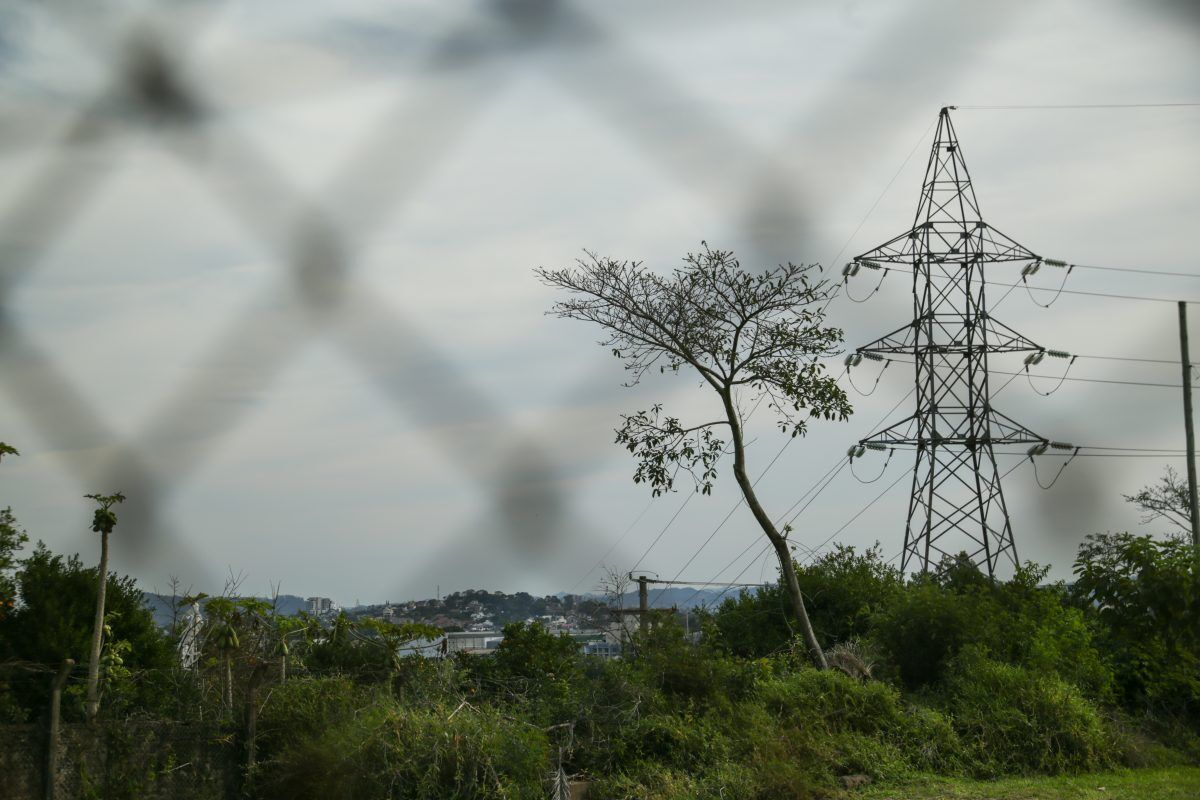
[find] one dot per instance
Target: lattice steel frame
(955, 487)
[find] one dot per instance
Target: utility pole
(643, 609)
(644, 603)
(1189, 430)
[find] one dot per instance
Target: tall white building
(191, 625)
(318, 606)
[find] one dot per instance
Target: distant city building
(190, 627)
(602, 649)
(318, 606)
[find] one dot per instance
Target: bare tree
(103, 522)
(750, 338)
(614, 584)
(1168, 499)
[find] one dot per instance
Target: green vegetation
(1179, 783)
(953, 676)
(1013, 689)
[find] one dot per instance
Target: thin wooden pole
(643, 604)
(55, 713)
(1189, 429)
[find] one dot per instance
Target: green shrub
(1018, 622)
(851, 727)
(387, 751)
(843, 591)
(667, 661)
(1145, 602)
(304, 708)
(683, 741)
(926, 626)
(1012, 720)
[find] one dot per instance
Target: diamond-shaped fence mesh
(204, 86)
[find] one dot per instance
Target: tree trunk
(93, 677)
(787, 570)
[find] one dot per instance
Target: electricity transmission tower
(957, 503)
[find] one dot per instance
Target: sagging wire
(1039, 449)
(851, 269)
(1031, 269)
(857, 451)
(855, 359)
(1036, 358)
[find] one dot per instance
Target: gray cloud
(391, 411)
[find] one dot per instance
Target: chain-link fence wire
(154, 93)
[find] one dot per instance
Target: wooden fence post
(55, 712)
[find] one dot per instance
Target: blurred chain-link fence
(324, 211)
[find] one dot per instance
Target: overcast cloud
(282, 295)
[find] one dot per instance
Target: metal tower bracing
(957, 503)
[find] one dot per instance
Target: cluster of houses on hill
(472, 622)
(480, 611)
(600, 643)
(476, 626)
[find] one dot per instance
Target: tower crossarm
(955, 242)
(956, 430)
(997, 338)
(1003, 339)
(901, 340)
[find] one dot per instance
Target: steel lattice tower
(957, 503)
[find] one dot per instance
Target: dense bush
(1012, 720)
(843, 589)
(53, 621)
(1144, 597)
(1018, 622)
(330, 739)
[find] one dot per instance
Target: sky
(268, 269)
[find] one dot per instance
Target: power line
(837, 471)
(766, 549)
(741, 500)
(721, 524)
(1071, 378)
(1076, 106)
(822, 482)
(1112, 455)
(1136, 449)
(874, 205)
(679, 510)
(1162, 272)
(688, 499)
(614, 546)
(811, 551)
(762, 551)
(1011, 286)
(709, 583)
(1091, 380)
(1172, 362)
(1092, 294)
(863, 510)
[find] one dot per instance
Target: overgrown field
(992, 687)
(1179, 783)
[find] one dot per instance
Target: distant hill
(503, 608)
(161, 606)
